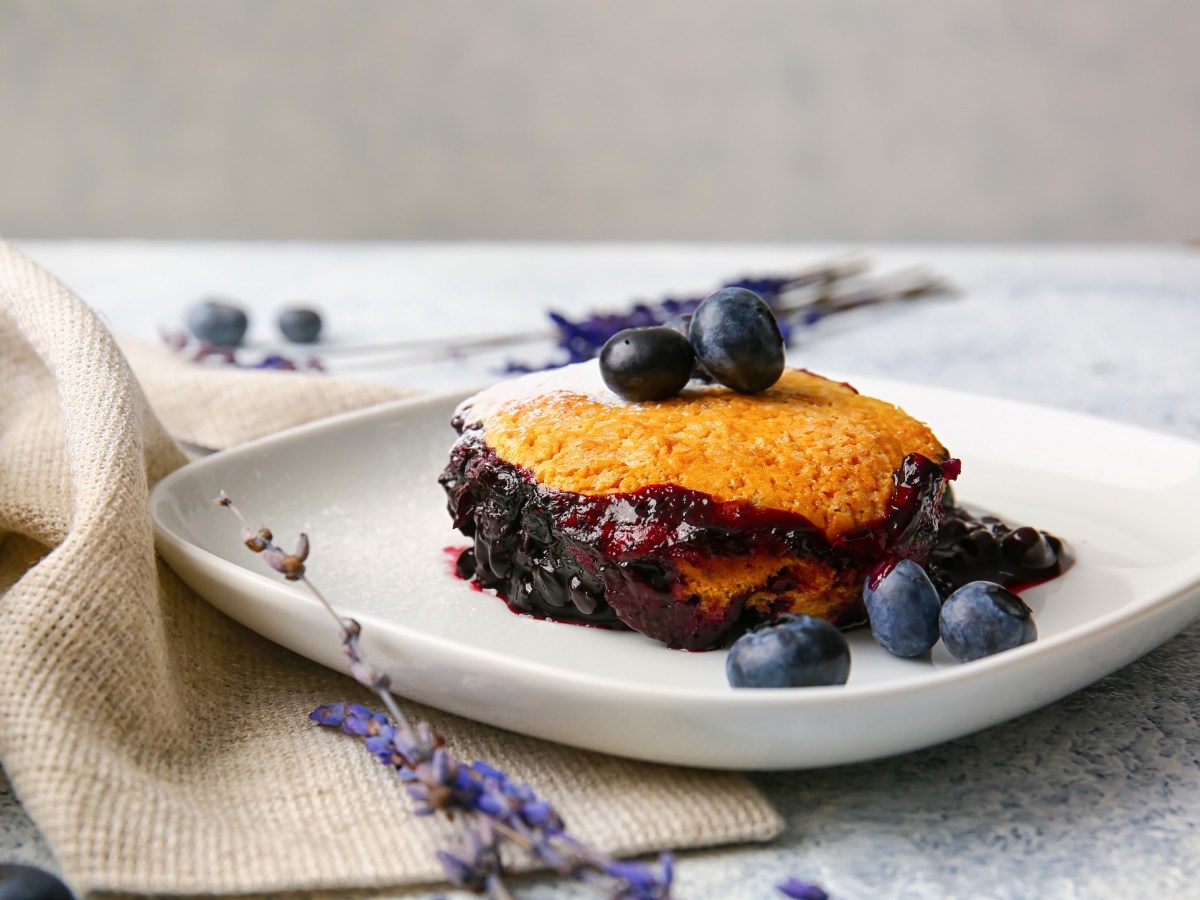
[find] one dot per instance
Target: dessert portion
(690, 518)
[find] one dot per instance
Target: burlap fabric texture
(163, 748)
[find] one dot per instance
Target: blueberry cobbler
(688, 517)
(692, 513)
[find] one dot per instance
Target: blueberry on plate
(792, 651)
(737, 340)
(18, 882)
(1029, 548)
(300, 325)
(903, 608)
(983, 618)
(646, 363)
(218, 323)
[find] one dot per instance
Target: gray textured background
(736, 119)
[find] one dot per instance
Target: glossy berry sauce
(612, 560)
(985, 548)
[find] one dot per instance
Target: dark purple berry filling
(985, 548)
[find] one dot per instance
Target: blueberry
(737, 340)
(217, 323)
(792, 651)
(646, 363)
(982, 618)
(1029, 547)
(903, 607)
(19, 882)
(300, 325)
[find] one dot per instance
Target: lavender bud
(540, 813)
(290, 567)
(801, 890)
(384, 749)
(275, 361)
(635, 874)
(331, 716)
(488, 771)
(489, 805)
(257, 541)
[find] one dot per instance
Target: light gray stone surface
(1097, 795)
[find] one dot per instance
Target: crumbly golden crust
(808, 446)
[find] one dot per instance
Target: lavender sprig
(494, 808)
(207, 352)
(798, 299)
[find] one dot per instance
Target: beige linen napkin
(161, 747)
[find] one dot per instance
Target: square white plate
(364, 487)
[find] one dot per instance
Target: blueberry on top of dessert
(693, 517)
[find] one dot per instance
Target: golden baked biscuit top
(808, 445)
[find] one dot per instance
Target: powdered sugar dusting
(581, 379)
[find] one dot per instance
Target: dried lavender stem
(582, 851)
(379, 683)
(444, 345)
(223, 500)
(826, 287)
(818, 274)
(347, 626)
(393, 709)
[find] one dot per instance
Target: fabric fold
(163, 748)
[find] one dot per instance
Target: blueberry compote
(613, 559)
(985, 548)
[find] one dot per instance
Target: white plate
(364, 487)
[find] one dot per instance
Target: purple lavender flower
(641, 882)
(583, 339)
(289, 565)
(180, 343)
(799, 299)
(258, 541)
(437, 781)
(802, 890)
(275, 361)
(331, 715)
(514, 804)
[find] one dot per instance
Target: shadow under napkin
(161, 747)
